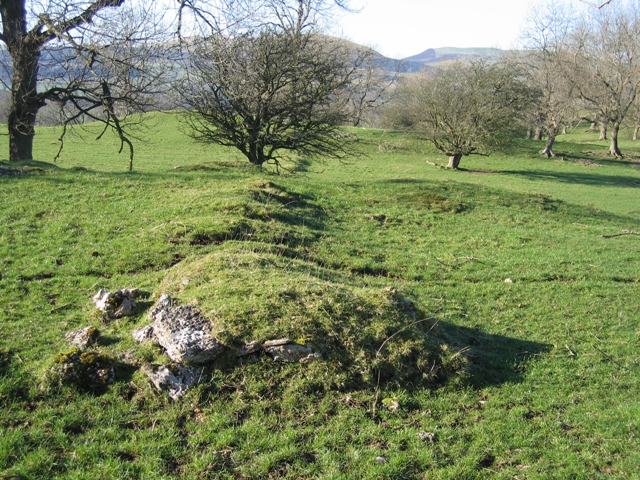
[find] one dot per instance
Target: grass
(548, 387)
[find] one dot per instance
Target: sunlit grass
(553, 358)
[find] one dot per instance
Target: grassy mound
(367, 336)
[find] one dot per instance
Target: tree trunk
(613, 149)
(24, 107)
(529, 133)
(538, 135)
(593, 127)
(547, 151)
(635, 132)
(256, 154)
(25, 103)
(603, 131)
(454, 160)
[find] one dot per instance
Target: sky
(401, 28)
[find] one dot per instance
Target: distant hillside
(435, 55)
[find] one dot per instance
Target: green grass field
(550, 387)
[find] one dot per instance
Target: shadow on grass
(215, 169)
(493, 359)
(592, 179)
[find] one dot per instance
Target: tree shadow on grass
(493, 359)
(592, 179)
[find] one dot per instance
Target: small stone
(426, 436)
(144, 334)
(391, 404)
(509, 280)
(128, 356)
(185, 281)
(380, 460)
(89, 371)
(275, 343)
(311, 358)
(287, 353)
(248, 349)
(84, 337)
(176, 380)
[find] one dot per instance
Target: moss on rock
(89, 371)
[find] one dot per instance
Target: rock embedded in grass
(144, 334)
(185, 333)
(176, 380)
(285, 351)
(248, 349)
(83, 337)
(91, 371)
(426, 436)
(118, 304)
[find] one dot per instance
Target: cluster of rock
(188, 340)
(185, 334)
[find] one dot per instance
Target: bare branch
(596, 5)
(58, 30)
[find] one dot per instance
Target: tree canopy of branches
(604, 65)
(102, 60)
(97, 60)
(465, 108)
(545, 41)
(269, 93)
(585, 66)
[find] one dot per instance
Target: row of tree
(585, 68)
(572, 68)
(259, 76)
(106, 60)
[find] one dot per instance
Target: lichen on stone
(89, 371)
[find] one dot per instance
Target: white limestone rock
(185, 333)
(176, 380)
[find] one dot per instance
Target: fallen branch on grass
(434, 164)
(623, 232)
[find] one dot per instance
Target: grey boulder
(185, 333)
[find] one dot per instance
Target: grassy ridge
(553, 359)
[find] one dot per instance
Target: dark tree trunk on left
(24, 46)
(25, 103)
(24, 106)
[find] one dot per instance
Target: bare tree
(466, 108)
(267, 83)
(96, 59)
(371, 86)
(268, 93)
(605, 66)
(545, 48)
